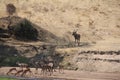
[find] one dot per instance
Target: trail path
(71, 75)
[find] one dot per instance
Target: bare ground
(70, 75)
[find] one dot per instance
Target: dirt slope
(95, 20)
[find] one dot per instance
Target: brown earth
(95, 20)
(72, 75)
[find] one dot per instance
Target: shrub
(10, 9)
(25, 31)
(11, 60)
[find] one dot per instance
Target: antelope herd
(24, 69)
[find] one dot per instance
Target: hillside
(98, 22)
(95, 20)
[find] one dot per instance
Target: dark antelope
(45, 67)
(27, 70)
(11, 70)
(76, 36)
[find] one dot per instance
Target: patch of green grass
(1, 78)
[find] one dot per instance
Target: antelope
(76, 36)
(19, 71)
(26, 71)
(45, 67)
(50, 66)
(11, 70)
(37, 65)
(60, 68)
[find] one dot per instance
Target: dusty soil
(71, 75)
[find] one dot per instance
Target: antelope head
(74, 32)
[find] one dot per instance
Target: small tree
(11, 9)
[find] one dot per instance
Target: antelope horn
(74, 30)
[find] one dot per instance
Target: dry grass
(95, 20)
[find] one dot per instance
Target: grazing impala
(19, 72)
(11, 70)
(27, 70)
